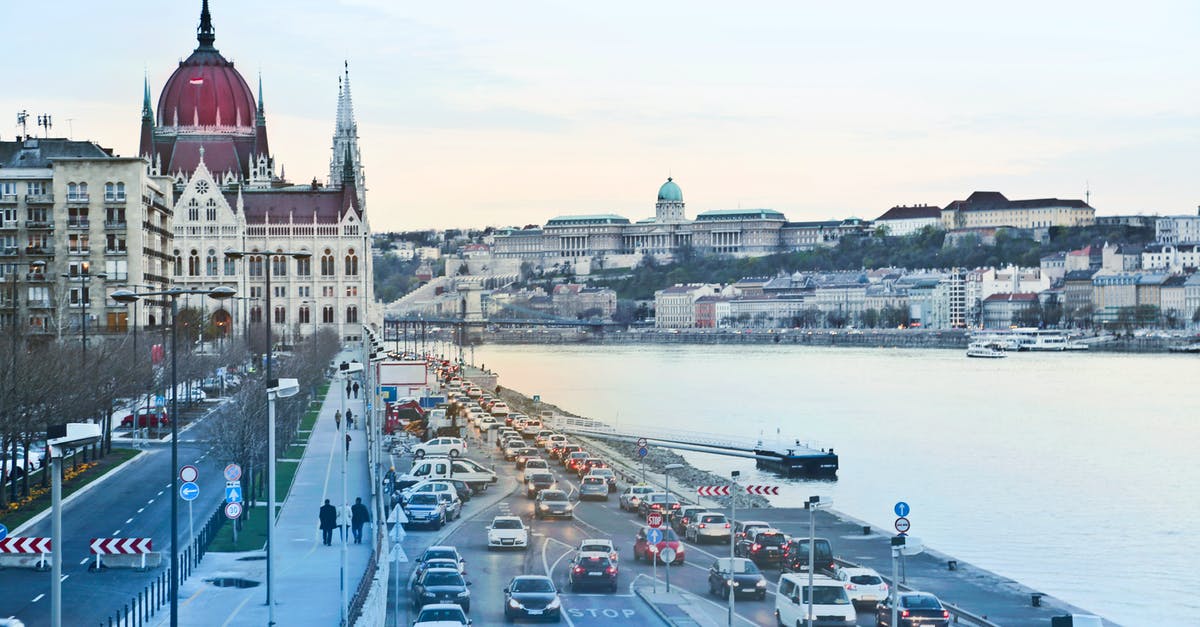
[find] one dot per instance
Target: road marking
(150, 501)
(64, 578)
(141, 509)
(128, 521)
(83, 561)
(159, 493)
(167, 486)
(38, 598)
(118, 531)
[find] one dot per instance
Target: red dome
(206, 90)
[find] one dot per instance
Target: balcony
(9, 225)
(114, 200)
(116, 251)
(11, 251)
(39, 199)
(8, 199)
(36, 277)
(79, 251)
(115, 225)
(39, 225)
(79, 223)
(39, 250)
(38, 304)
(78, 199)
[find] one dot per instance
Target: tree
(870, 318)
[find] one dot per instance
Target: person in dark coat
(328, 517)
(347, 389)
(359, 516)
(356, 389)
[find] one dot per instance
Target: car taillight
(851, 586)
(903, 613)
(726, 525)
(610, 570)
(683, 521)
(756, 547)
(945, 613)
(703, 526)
(579, 570)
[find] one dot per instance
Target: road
(133, 503)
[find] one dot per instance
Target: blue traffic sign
(642, 451)
(902, 509)
(233, 492)
(189, 491)
(654, 536)
(3, 532)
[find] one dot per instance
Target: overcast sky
(509, 113)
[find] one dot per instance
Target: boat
(1186, 348)
(982, 350)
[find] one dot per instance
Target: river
(1074, 474)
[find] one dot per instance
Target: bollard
(126, 615)
(952, 565)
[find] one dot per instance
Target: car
(562, 453)
(553, 503)
(531, 428)
(598, 545)
(831, 606)
(526, 454)
(427, 486)
(795, 556)
(574, 459)
(740, 573)
(593, 488)
(632, 497)
(657, 502)
(452, 503)
(542, 437)
(426, 509)
(507, 531)
(914, 608)
(554, 440)
(452, 447)
(512, 448)
(444, 551)
(641, 546)
(743, 533)
(532, 464)
(610, 477)
(584, 467)
(708, 527)
(441, 585)
(147, 418)
(766, 547)
(441, 615)
(537, 481)
(864, 585)
(499, 409)
(680, 518)
(532, 596)
(436, 562)
(591, 570)
(487, 422)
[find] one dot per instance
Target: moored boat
(983, 350)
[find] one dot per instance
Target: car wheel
(419, 453)
(453, 452)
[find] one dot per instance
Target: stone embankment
(624, 454)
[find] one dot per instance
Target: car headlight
(514, 604)
(464, 593)
(544, 507)
(553, 604)
(762, 583)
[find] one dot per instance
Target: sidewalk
(307, 573)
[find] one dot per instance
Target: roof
(670, 192)
(39, 153)
(598, 218)
(915, 212)
(323, 205)
(1079, 275)
(739, 214)
(1178, 280)
(993, 201)
(825, 224)
(1021, 297)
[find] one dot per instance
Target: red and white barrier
(120, 546)
(25, 546)
(723, 490)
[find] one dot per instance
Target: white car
(531, 427)
(487, 423)
(442, 615)
(633, 495)
(864, 585)
(598, 545)
(499, 408)
(708, 527)
(534, 464)
(507, 531)
(452, 447)
(432, 486)
(554, 440)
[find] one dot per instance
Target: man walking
(347, 445)
(360, 516)
(349, 419)
(337, 419)
(328, 517)
(347, 389)
(356, 389)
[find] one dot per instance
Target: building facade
(1177, 230)
(904, 220)
(992, 209)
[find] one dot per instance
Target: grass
(115, 458)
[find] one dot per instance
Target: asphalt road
(133, 503)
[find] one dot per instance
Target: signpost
(902, 525)
(189, 474)
(901, 509)
(642, 450)
(654, 536)
(233, 472)
(654, 519)
(3, 532)
(233, 492)
(668, 556)
(189, 491)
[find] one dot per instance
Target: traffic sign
(188, 474)
(642, 451)
(3, 532)
(903, 525)
(537, 398)
(713, 490)
(654, 519)
(901, 509)
(233, 472)
(667, 555)
(641, 442)
(233, 492)
(233, 510)
(654, 536)
(762, 489)
(120, 546)
(189, 491)
(18, 544)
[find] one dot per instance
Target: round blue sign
(642, 451)
(654, 536)
(3, 532)
(901, 509)
(189, 491)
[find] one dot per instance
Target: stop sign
(654, 519)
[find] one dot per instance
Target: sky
(475, 113)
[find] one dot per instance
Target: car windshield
(443, 578)
(423, 499)
(770, 539)
(866, 580)
(536, 463)
(740, 566)
(532, 585)
(826, 595)
(444, 554)
(453, 615)
(921, 602)
(601, 548)
(441, 563)
(509, 523)
(542, 477)
(554, 495)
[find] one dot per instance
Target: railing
(114, 224)
(78, 224)
(118, 198)
(39, 250)
(8, 198)
(39, 199)
(39, 224)
(79, 198)
(157, 230)
(115, 251)
(957, 612)
(9, 224)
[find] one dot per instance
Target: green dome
(670, 192)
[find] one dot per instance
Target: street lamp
(733, 492)
(667, 473)
(129, 296)
(277, 388)
(58, 438)
(346, 370)
(814, 503)
(84, 283)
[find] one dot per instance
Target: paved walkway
(307, 575)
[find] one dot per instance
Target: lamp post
(85, 280)
(59, 438)
(346, 369)
(129, 296)
(814, 502)
(667, 473)
(279, 388)
(733, 492)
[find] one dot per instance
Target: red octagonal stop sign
(654, 519)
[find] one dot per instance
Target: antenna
(70, 128)
(1087, 193)
(22, 116)
(44, 122)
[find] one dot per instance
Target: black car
(553, 503)
(795, 556)
(535, 482)
(748, 580)
(766, 549)
(464, 491)
(441, 585)
(593, 570)
(915, 608)
(680, 518)
(532, 596)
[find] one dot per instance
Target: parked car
(795, 556)
(864, 585)
(532, 596)
(632, 497)
(830, 604)
(536, 482)
(441, 615)
(708, 527)
(593, 488)
(747, 580)
(592, 570)
(641, 547)
(441, 585)
(452, 447)
(156, 417)
(553, 503)
(426, 509)
(507, 531)
(915, 608)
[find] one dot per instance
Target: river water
(1075, 474)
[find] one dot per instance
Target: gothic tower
(345, 142)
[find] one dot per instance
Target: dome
(670, 192)
(205, 89)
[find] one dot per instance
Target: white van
(475, 474)
(831, 605)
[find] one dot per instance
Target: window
(327, 291)
(230, 266)
(117, 269)
(351, 314)
(280, 315)
(114, 244)
(351, 263)
(256, 314)
(256, 291)
(114, 192)
(304, 315)
(304, 291)
(77, 216)
(279, 264)
(77, 243)
(178, 264)
(193, 210)
(114, 215)
(280, 291)
(80, 296)
(304, 266)
(327, 314)
(210, 263)
(202, 187)
(351, 290)
(327, 263)
(210, 211)
(77, 191)
(8, 188)
(194, 263)
(39, 297)
(256, 265)
(36, 188)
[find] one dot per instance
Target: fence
(146, 603)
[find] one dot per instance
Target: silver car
(593, 487)
(632, 497)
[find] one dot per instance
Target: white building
(1177, 229)
(675, 306)
(905, 220)
(1171, 257)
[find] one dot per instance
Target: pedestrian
(347, 389)
(343, 521)
(328, 518)
(356, 389)
(347, 445)
(349, 419)
(359, 516)
(337, 418)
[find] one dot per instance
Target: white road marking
(84, 561)
(159, 493)
(118, 531)
(150, 501)
(141, 509)
(38, 598)
(64, 578)
(128, 521)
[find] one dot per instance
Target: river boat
(1194, 348)
(983, 350)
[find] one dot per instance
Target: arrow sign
(3, 532)
(762, 489)
(189, 491)
(713, 490)
(18, 544)
(233, 492)
(901, 509)
(120, 546)
(654, 536)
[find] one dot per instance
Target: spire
(147, 112)
(348, 167)
(205, 34)
(260, 98)
(345, 166)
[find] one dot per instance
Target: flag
(196, 80)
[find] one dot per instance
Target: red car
(574, 459)
(641, 548)
(147, 418)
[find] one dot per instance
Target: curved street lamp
(129, 296)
